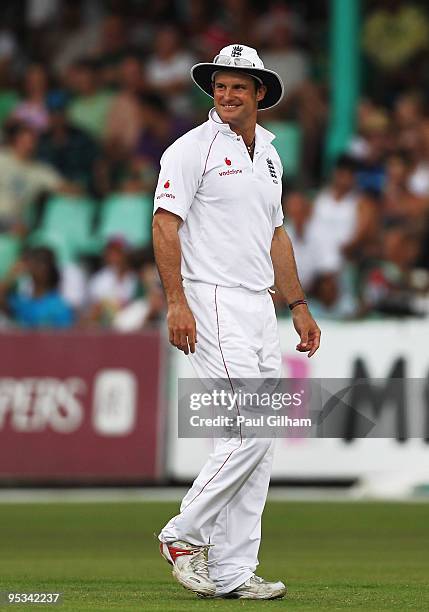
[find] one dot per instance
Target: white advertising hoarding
(380, 349)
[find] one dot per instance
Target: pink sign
(81, 406)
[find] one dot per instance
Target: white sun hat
(241, 59)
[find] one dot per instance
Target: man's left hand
(307, 329)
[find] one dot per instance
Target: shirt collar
(262, 135)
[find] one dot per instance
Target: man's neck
(19, 155)
(299, 228)
(247, 132)
(339, 192)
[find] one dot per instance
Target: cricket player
(220, 245)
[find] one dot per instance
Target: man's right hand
(182, 327)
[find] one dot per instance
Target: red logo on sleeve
(227, 161)
(166, 195)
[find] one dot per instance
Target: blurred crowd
(91, 94)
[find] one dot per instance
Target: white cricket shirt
(335, 222)
(230, 205)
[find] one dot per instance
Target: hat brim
(202, 75)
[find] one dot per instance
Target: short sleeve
(46, 178)
(279, 218)
(179, 178)
(278, 214)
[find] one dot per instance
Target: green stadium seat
(8, 101)
(69, 219)
(288, 143)
(9, 252)
(128, 215)
(57, 242)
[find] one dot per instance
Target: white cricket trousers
(237, 338)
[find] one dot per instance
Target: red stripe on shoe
(179, 552)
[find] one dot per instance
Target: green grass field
(333, 556)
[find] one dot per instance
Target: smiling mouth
(229, 106)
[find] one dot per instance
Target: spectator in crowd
(344, 219)
(68, 149)
(91, 105)
(161, 129)
(112, 287)
(23, 180)
(213, 38)
(149, 307)
(370, 146)
(307, 245)
(74, 37)
(281, 53)
(388, 286)
(74, 285)
(119, 172)
(369, 119)
(40, 15)
(73, 280)
(168, 70)
(398, 202)
(411, 134)
(42, 306)
(112, 48)
(237, 18)
(196, 21)
(419, 178)
(408, 112)
(8, 48)
(304, 102)
(124, 120)
(329, 299)
(33, 110)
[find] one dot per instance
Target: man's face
(236, 97)
(115, 256)
(25, 143)
(343, 179)
(297, 208)
(84, 81)
(397, 170)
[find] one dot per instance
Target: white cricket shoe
(258, 588)
(190, 566)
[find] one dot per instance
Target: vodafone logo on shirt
(228, 162)
(166, 195)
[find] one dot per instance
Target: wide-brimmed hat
(241, 59)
